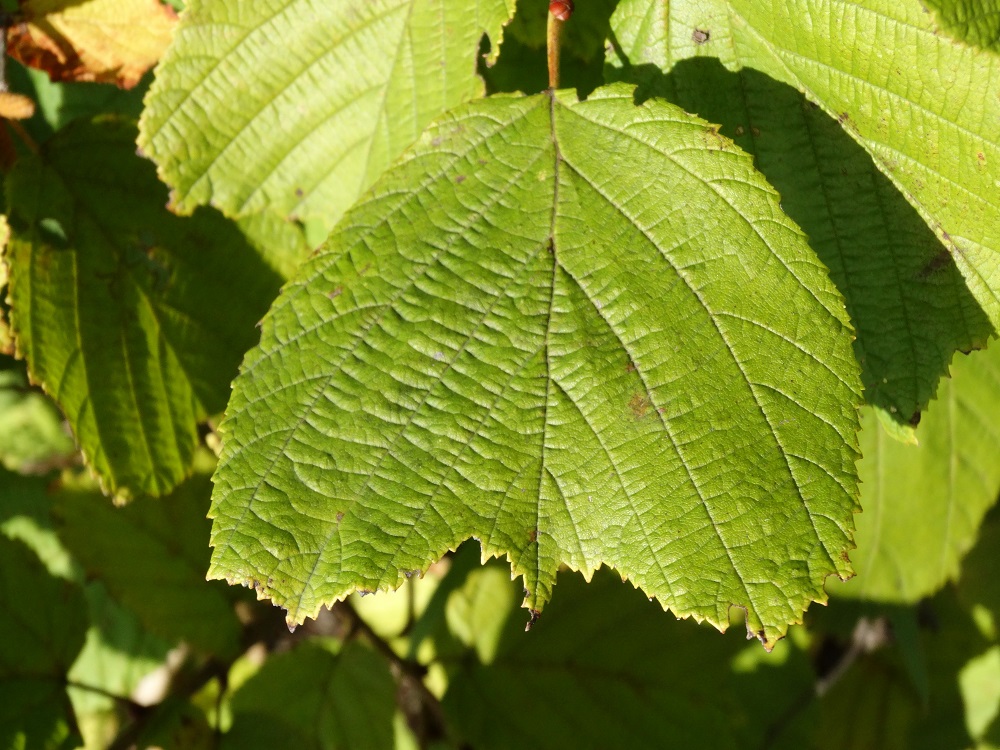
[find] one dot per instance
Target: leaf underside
(582, 333)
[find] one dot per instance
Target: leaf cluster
(345, 305)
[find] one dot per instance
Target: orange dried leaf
(15, 106)
(107, 41)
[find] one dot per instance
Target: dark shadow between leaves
(603, 666)
(522, 64)
(909, 304)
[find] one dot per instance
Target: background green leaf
(155, 545)
(604, 667)
(42, 631)
(334, 93)
(131, 318)
(523, 337)
(332, 700)
(923, 503)
(33, 438)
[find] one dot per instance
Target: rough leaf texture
(132, 319)
(579, 332)
(910, 307)
(297, 106)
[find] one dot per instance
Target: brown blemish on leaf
(639, 405)
(337, 291)
(460, 179)
(700, 36)
(935, 264)
(340, 516)
(533, 536)
(740, 130)
(630, 366)
(754, 131)
(914, 420)
(982, 158)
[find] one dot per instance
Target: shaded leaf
(108, 41)
(523, 337)
(906, 296)
(341, 700)
(919, 112)
(42, 631)
(152, 556)
(603, 667)
(923, 503)
(974, 21)
(116, 655)
(131, 318)
(335, 92)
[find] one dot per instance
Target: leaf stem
(124, 700)
(559, 13)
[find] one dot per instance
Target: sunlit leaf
(109, 41)
(582, 333)
(297, 106)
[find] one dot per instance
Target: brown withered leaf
(107, 41)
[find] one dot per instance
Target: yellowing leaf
(107, 41)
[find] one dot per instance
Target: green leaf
(131, 318)
(42, 630)
(920, 112)
(314, 698)
(296, 107)
(603, 664)
(152, 556)
(582, 333)
(923, 503)
(907, 299)
(117, 654)
(974, 21)
(32, 436)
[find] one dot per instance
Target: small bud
(561, 9)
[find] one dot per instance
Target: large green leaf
(316, 698)
(42, 630)
(152, 556)
(133, 319)
(923, 503)
(907, 299)
(581, 333)
(297, 106)
(603, 664)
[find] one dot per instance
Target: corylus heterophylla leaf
(297, 106)
(580, 332)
